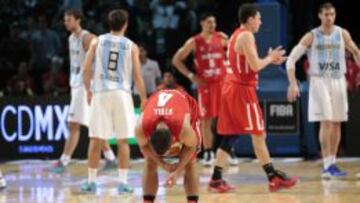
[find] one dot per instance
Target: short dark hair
(75, 13)
(206, 15)
(326, 6)
(246, 11)
(117, 19)
(161, 140)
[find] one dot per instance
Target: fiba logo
(281, 110)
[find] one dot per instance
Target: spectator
(21, 84)
(45, 44)
(169, 82)
(55, 82)
(150, 71)
(14, 49)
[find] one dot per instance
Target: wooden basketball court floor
(28, 182)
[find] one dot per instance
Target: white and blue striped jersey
(327, 54)
(77, 57)
(113, 64)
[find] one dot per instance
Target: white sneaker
(208, 160)
(2, 183)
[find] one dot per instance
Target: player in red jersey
(208, 48)
(169, 127)
(240, 112)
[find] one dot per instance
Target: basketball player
(208, 48)
(168, 127)
(2, 181)
(240, 112)
(79, 41)
(110, 64)
(327, 94)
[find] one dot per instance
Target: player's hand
(277, 55)
(198, 81)
(171, 180)
(88, 97)
(293, 92)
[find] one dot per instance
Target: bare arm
(189, 140)
(138, 79)
(246, 43)
(225, 38)
(181, 55)
(89, 58)
(87, 40)
(351, 46)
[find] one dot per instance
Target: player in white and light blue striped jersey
(110, 65)
(327, 94)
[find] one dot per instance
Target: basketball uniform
(170, 107)
(210, 67)
(240, 112)
(79, 108)
(327, 92)
(112, 109)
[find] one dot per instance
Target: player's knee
(227, 143)
(73, 126)
(150, 164)
(122, 142)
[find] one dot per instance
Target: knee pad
(227, 143)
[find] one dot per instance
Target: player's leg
(110, 158)
(324, 139)
(124, 162)
(2, 181)
(277, 179)
(69, 148)
(191, 182)
(207, 141)
(150, 182)
(123, 121)
(94, 154)
(339, 107)
(217, 183)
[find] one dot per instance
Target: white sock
(109, 155)
(123, 173)
(333, 159)
(327, 162)
(65, 159)
(92, 173)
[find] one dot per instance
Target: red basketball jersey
(210, 57)
(242, 72)
(169, 106)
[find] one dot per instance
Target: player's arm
(189, 140)
(89, 58)
(87, 40)
(246, 42)
(181, 55)
(146, 147)
(351, 46)
(138, 79)
(295, 55)
(225, 38)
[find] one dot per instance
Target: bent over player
(169, 127)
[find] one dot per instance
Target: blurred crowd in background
(34, 48)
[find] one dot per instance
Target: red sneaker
(219, 186)
(279, 183)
